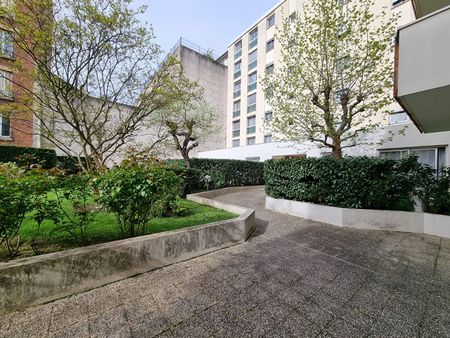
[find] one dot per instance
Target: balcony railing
(422, 74)
(252, 86)
(252, 44)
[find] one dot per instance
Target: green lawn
(104, 228)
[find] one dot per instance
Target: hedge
(24, 156)
(222, 173)
(363, 182)
(70, 164)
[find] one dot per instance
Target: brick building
(16, 120)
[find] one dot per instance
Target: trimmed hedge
(362, 182)
(24, 156)
(229, 173)
(223, 174)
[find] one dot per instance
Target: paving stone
(78, 330)
(293, 278)
(113, 323)
(193, 327)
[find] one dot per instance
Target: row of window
(252, 59)
(252, 141)
(253, 38)
(433, 157)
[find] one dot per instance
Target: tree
(186, 122)
(335, 74)
(92, 62)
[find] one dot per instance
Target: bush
(223, 174)
(74, 197)
(70, 164)
(436, 194)
(20, 194)
(362, 182)
(137, 194)
(25, 157)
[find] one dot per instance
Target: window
(251, 141)
(398, 2)
(253, 159)
(398, 117)
(236, 128)
(252, 81)
(343, 2)
(270, 68)
(237, 109)
(251, 125)
(5, 84)
(237, 69)
(270, 45)
(238, 50)
(253, 39)
(236, 143)
(5, 129)
(251, 103)
(270, 21)
(237, 89)
(434, 157)
(268, 116)
(268, 139)
(252, 60)
(6, 44)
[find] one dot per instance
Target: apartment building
(256, 52)
(16, 120)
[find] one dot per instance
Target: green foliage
(435, 193)
(136, 195)
(70, 164)
(362, 182)
(335, 73)
(226, 173)
(25, 157)
(20, 194)
(74, 198)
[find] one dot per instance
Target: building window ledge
(6, 138)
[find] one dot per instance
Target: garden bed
(104, 228)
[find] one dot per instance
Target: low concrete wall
(437, 225)
(40, 279)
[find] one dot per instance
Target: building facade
(256, 52)
(16, 120)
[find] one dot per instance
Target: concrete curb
(401, 221)
(36, 280)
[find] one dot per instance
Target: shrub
(362, 182)
(222, 174)
(436, 194)
(74, 198)
(137, 194)
(25, 157)
(20, 194)
(70, 164)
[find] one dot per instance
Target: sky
(208, 23)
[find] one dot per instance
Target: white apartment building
(255, 52)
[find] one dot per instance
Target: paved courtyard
(294, 278)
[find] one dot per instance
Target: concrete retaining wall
(40, 279)
(437, 225)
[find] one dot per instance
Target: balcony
(425, 7)
(422, 79)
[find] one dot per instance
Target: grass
(104, 228)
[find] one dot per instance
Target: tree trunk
(187, 161)
(337, 148)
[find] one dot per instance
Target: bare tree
(335, 74)
(92, 61)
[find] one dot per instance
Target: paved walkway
(294, 278)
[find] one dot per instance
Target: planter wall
(40, 279)
(416, 222)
